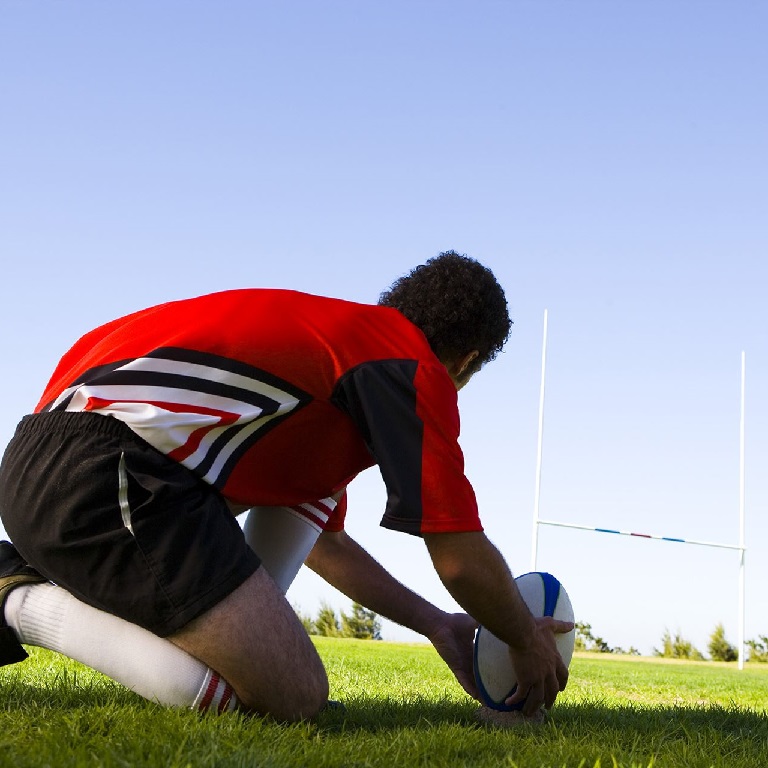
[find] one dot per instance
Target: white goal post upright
(742, 565)
(539, 448)
(740, 548)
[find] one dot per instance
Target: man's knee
(302, 697)
(254, 640)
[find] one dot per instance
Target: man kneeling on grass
(120, 491)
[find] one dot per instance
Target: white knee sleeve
(283, 537)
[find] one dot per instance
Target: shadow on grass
(373, 714)
(642, 720)
(368, 714)
(65, 691)
(565, 720)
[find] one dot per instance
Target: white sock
(48, 616)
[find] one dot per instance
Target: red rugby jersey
(278, 397)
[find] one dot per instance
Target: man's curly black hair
(458, 305)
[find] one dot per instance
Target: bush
(719, 648)
(326, 624)
(586, 641)
(677, 647)
(758, 649)
(360, 623)
(306, 621)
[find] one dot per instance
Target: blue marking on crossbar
(606, 530)
(669, 538)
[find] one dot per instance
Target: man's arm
(344, 564)
(478, 578)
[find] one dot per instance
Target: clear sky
(609, 161)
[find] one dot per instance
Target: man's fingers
(538, 694)
(531, 697)
(558, 626)
(467, 682)
(553, 688)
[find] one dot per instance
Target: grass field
(403, 709)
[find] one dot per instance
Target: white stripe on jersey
(207, 417)
(206, 372)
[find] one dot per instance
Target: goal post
(740, 547)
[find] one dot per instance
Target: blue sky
(607, 160)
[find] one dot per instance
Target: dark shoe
(13, 573)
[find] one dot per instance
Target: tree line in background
(676, 646)
(362, 624)
(587, 641)
(359, 623)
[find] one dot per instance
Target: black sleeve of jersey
(380, 397)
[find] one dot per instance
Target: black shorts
(118, 524)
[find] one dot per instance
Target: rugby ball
(494, 673)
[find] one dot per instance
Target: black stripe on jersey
(380, 397)
(62, 406)
(185, 383)
(89, 375)
(110, 374)
(95, 373)
(228, 364)
(220, 443)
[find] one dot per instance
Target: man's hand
(541, 672)
(453, 640)
(478, 578)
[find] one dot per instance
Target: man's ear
(459, 367)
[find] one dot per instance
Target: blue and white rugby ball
(494, 672)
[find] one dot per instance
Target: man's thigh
(254, 639)
(118, 524)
